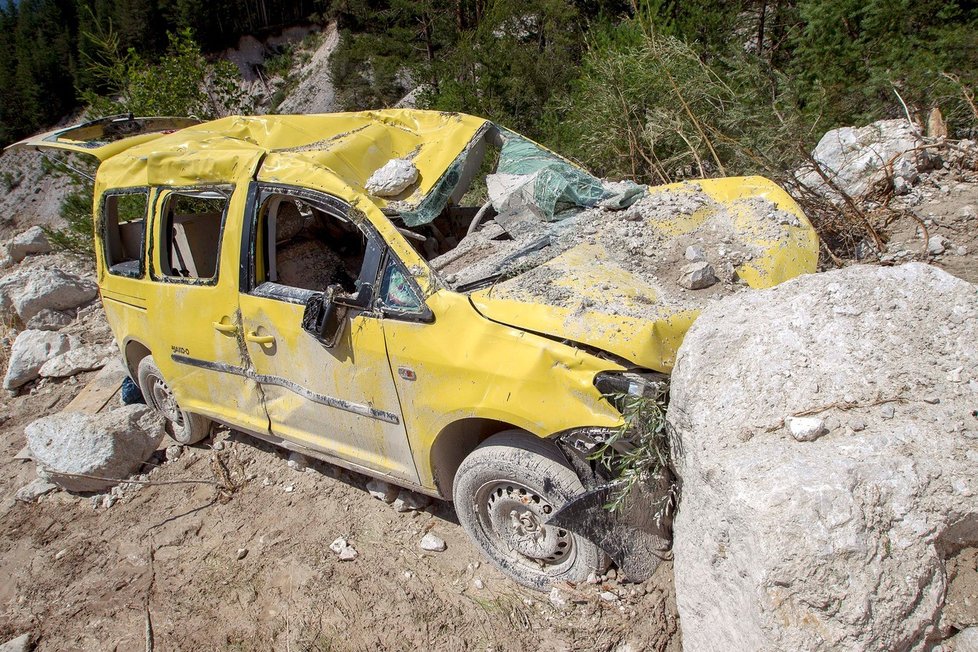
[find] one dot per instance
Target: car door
(338, 399)
(193, 303)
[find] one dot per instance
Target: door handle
(259, 339)
(225, 328)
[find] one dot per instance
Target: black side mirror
(324, 317)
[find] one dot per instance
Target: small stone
(382, 490)
(968, 212)
(593, 578)
(20, 644)
(857, 425)
(936, 245)
(241, 554)
(348, 554)
(954, 375)
(697, 276)
(806, 428)
(218, 445)
(612, 574)
(409, 501)
(338, 545)
(174, 452)
(60, 554)
(933, 400)
(432, 543)
(695, 253)
(34, 490)
(298, 462)
(887, 412)
(608, 596)
(408, 575)
(479, 584)
(289, 488)
(557, 598)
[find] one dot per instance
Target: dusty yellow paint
(466, 363)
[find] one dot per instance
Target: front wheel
(185, 427)
(505, 492)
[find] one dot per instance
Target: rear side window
(191, 235)
(123, 231)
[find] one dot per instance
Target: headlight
(616, 386)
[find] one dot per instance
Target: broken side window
(193, 221)
(123, 231)
(299, 244)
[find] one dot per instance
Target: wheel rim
(513, 518)
(164, 401)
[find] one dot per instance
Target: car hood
(594, 294)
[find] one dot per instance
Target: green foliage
(638, 451)
(76, 234)
(181, 83)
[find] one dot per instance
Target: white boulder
(831, 533)
(28, 354)
(110, 445)
(32, 241)
(857, 158)
(28, 292)
(393, 178)
(75, 361)
(50, 320)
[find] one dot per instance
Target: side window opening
(124, 226)
(299, 245)
(398, 293)
(192, 225)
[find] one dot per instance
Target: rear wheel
(505, 492)
(185, 427)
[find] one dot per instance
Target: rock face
(856, 158)
(28, 292)
(31, 350)
(108, 445)
(791, 541)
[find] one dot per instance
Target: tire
(503, 492)
(184, 427)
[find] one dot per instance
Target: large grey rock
(857, 158)
(22, 643)
(50, 320)
(964, 641)
(75, 361)
(396, 176)
(837, 542)
(28, 292)
(31, 241)
(110, 445)
(28, 354)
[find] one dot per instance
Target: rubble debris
(32, 241)
(856, 159)
(30, 351)
(36, 488)
(75, 361)
(382, 490)
(110, 445)
(396, 176)
(697, 276)
(558, 599)
(298, 462)
(806, 428)
(343, 549)
(22, 643)
(432, 543)
(50, 320)
(410, 501)
(863, 504)
(28, 292)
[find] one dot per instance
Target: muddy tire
(504, 491)
(184, 427)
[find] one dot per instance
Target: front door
(339, 400)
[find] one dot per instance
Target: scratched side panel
(468, 366)
(340, 401)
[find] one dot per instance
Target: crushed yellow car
(422, 297)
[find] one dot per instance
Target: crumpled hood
(613, 295)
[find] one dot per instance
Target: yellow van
(343, 286)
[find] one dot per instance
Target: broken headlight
(617, 386)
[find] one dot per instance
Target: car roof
(334, 152)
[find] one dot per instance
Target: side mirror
(324, 317)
